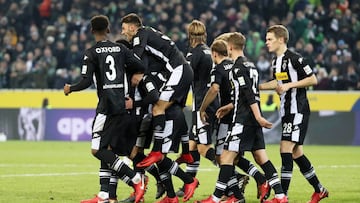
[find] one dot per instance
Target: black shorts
(111, 131)
(294, 127)
(123, 145)
(200, 133)
(177, 87)
(243, 138)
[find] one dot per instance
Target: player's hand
(280, 89)
(204, 117)
(264, 123)
(67, 89)
(129, 103)
(136, 78)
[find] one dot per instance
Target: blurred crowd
(42, 41)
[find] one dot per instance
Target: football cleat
(233, 199)
(264, 191)
(189, 189)
(152, 157)
(96, 199)
(130, 199)
(160, 190)
(243, 181)
(185, 158)
(180, 192)
(278, 200)
(167, 199)
(207, 200)
(140, 188)
(317, 196)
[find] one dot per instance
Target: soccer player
(246, 130)
(292, 74)
(108, 62)
(218, 84)
(177, 75)
(199, 57)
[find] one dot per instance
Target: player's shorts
(201, 133)
(220, 138)
(176, 88)
(107, 130)
(294, 127)
(243, 138)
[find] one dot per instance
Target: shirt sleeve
(245, 84)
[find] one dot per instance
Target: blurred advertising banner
(35, 124)
(69, 124)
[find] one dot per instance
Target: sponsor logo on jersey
(136, 41)
(281, 76)
(107, 49)
(307, 70)
(241, 81)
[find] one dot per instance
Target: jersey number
(287, 127)
(254, 75)
(111, 74)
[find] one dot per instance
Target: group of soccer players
(142, 83)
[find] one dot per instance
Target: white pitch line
(94, 173)
(47, 174)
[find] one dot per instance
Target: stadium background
(42, 41)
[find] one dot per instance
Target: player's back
(108, 61)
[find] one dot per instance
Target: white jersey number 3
(111, 75)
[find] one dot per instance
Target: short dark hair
(99, 23)
(238, 40)
(132, 18)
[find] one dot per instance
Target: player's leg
(305, 165)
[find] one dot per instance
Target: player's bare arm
(306, 82)
(260, 119)
(209, 97)
(271, 85)
(224, 110)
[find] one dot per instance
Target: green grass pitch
(61, 172)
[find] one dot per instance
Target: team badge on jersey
(281, 76)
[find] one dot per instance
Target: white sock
(136, 179)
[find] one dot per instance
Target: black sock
(153, 170)
(185, 143)
(113, 186)
(210, 154)
(167, 181)
(174, 169)
(158, 126)
(226, 171)
(122, 168)
(286, 170)
(233, 185)
(272, 177)
(193, 168)
(308, 171)
(104, 177)
(251, 169)
(138, 158)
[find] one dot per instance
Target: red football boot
(317, 196)
(189, 189)
(152, 157)
(185, 158)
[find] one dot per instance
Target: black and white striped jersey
(292, 67)
(245, 77)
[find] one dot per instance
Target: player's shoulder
(292, 54)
